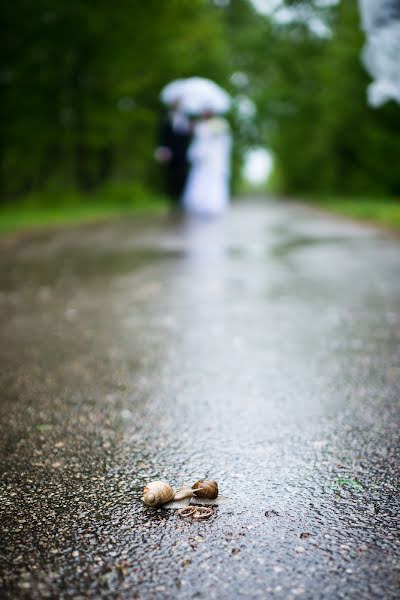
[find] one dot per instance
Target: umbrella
(198, 95)
(171, 93)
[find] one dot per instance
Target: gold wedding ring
(196, 512)
(188, 511)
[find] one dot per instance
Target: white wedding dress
(207, 187)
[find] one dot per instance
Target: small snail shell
(205, 488)
(157, 493)
(184, 492)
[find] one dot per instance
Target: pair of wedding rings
(195, 512)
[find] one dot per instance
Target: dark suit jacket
(177, 168)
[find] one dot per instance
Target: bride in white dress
(207, 188)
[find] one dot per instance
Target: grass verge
(379, 211)
(57, 208)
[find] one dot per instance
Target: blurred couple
(196, 154)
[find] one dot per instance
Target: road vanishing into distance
(261, 350)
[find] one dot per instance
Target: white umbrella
(171, 93)
(198, 95)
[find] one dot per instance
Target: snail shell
(157, 493)
(205, 488)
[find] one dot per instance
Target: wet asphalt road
(262, 351)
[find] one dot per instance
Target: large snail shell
(157, 493)
(205, 488)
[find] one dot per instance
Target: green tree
(80, 84)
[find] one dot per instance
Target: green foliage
(80, 84)
(382, 211)
(80, 80)
(55, 207)
(312, 110)
(348, 482)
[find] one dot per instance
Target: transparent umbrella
(199, 95)
(172, 92)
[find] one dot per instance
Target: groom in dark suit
(174, 139)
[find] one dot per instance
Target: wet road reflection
(261, 351)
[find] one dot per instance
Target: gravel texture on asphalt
(261, 350)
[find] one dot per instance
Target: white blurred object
(207, 188)
(381, 54)
(199, 95)
(171, 93)
(266, 6)
(258, 165)
(246, 108)
(301, 12)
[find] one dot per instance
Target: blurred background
(80, 108)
